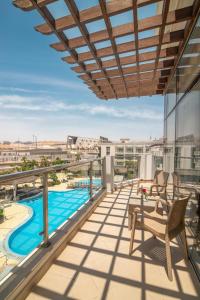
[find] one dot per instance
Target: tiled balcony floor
(96, 264)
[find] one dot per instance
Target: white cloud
(42, 80)
(48, 104)
(21, 90)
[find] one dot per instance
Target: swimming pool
(61, 206)
(95, 181)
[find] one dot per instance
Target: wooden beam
(167, 64)
(45, 13)
(83, 29)
(92, 14)
(113, 43)
(176, 16)
(165, 11)
(132, 86)
(27, 5)
(137, 56)
(128, 78)
(145, 72)
(133, 93)
(168, 38)
(143, 57)
(189, 28)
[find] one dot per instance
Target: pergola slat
(93, 14)
(168, 38)
(177, 16)
(75, 14)
(45, 13)
(130, 86)
(133, 93)
(128, 78)
(143, 57)
(113, 43)
(27, 5)
(125, 74)
(165, 11)
(130, 70)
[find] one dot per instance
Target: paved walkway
(96, 265)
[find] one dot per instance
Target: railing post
(46, 242)
(104, 172)
(108, 173)
(90, 174)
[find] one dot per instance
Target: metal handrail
(41, 171)
(187, 157)
(44, 172)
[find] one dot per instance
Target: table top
(137, 200)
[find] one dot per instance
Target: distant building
(142, 157)
(10, 157)
(81, 143)
(85, 143)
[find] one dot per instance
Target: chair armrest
(158, 185)
(145, 180)
(163, 202)
(136, 210)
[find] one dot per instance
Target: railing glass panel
(35, 204)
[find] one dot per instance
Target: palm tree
(44, 162)
(78, 156)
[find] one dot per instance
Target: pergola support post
(108, 173)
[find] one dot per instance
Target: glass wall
(182, 134)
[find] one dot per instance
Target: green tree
(27, 164)
(44, 162)
(54, 179)
(78, 156)
(58, 161)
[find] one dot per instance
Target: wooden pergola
(127, 69)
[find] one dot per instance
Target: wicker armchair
(166, 227)
(159, 184)
(179, 189)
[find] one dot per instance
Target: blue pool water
(61, 206)
(96, 181)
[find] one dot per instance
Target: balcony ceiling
(141, 45)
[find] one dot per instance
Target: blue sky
(40, 94)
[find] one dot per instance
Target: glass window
(189, 65)
(170, 97)
(188, 117)
(129, 149)
(170, 128)
(107, 150)
(139, 149)
(118, 156)
(119, 149)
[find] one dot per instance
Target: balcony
(96, 264)
(79, 249)
(89, 259)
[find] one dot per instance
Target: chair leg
(185, 246)
(132, 233)
(169, 258)
(130, 220)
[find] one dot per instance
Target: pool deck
(59, 188)
(95, 265)
(15, 214)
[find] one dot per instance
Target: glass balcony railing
(36, 204)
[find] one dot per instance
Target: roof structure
(138, 54)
